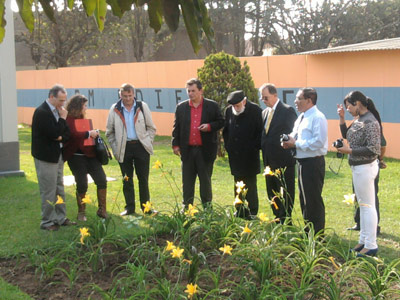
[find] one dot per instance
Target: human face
(84, 108)
(352, 109)
(239, 107)
(194, 93)
(58, 101)
(268, 98)
(127, 98)
(301, 103)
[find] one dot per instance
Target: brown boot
(101, 198)
(81, 207)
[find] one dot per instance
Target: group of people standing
(286, 140)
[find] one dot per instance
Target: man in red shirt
(194, 139)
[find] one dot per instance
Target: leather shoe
(126, 213)
(369, 252)
(68, 222)
(54, 227)
(355, 227)
(357, 249)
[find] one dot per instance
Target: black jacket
(211, 114)
(282, 121)
(45, 130)
(242, 138)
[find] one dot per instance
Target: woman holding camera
(82, 159)
(364, 137)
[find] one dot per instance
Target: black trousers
(136, 157)
(252, 194)
(357, 213)
(82, 165)
(274, 185)
(311, 175)
(193, 166)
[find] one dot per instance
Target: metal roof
(388, 44)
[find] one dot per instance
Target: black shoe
(53, 227)
(68, 222)
(355, 227)
(126, 213)
(370, 252)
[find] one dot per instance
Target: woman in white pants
(364, 137)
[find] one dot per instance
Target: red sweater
(75, 143)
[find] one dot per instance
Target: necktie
(269, 118)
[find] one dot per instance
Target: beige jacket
(116, 129)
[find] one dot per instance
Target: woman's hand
(340, 110)
(93, 133)
(345, 149)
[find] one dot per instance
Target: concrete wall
(162, 85)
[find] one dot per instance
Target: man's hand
(177, 151)
(59, 139)
(203, 127)
(291, 143)
(62, 112)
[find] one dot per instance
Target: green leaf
(116, 10)
(171, 14)
(48, 9)
(3, 22)
(100, 13)
(206, 23)
(70, 4)
(25, 11)
(155, 14)
(191, 24)
(125, 5)
(90, 6)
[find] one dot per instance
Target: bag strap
(140, 105)
(101, 141)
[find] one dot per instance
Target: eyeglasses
(298, 98)
(265, 98)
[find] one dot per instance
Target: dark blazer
(45, 130)
(282, 121)
(242, 139)
(211, 114)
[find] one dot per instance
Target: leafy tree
(222, 74)
(194, 12)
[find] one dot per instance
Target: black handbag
(102, 152)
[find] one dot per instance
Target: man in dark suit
(278, 119)
(194, 139)
(242, 139)
(49, 132)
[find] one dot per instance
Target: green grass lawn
(20, 199)
(20, 204)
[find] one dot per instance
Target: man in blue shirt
(310, 139)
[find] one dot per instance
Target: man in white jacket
(130, 132)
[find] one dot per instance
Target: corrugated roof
(388, 44)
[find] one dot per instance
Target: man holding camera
(310, 139)
(278, 120)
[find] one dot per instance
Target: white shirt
(312, 134)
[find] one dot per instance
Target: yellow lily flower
(187, 261)
(157, 165)
(239, 186)
(274, 203)
(126, 178)
(84, 233)
(333, 262)
(349, 199)
(147, 206)
(226, 249)
(59, 200)
(237, 201)
(268, 172)
(170, 246)
(246, 229)
(191, 211)
(86, 200)
(263, 217)
(191, 289)
(177, 252)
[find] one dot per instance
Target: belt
(133, 142)
(309, 158)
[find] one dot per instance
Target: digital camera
(338, 143)
(284, 137)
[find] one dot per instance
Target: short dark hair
(56, 89)
(271, 88)
(126, 87)
(75, 106)
(310, 93)
(196, 82)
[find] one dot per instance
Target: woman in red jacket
(82, 158)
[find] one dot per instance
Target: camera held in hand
(338, 143)
(284, 138)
